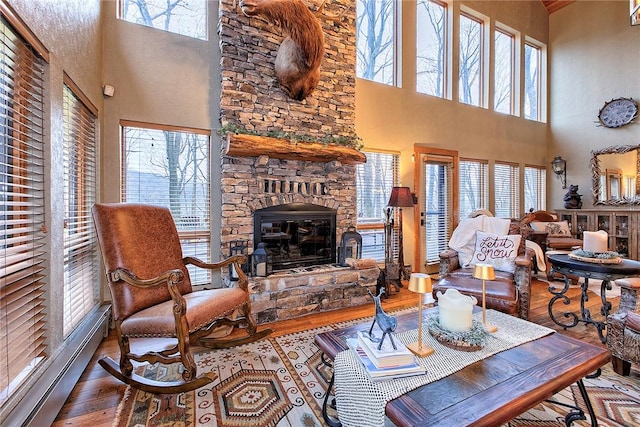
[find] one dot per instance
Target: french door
(438, 182)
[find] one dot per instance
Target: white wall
(595, 56)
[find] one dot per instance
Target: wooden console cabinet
(623, 227)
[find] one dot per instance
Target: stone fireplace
(261, 176)
(301, 208)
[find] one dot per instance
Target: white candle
(455, 310)
(595, 241)
(261, 269)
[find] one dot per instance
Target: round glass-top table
(563, 264)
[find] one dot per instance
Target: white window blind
(169, 166)
(535, 188)
(81, 278)
(22, 287)
(437, 204)
(473, 186)
(374, 181)
(506, 190)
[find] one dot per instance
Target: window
(471, 58)
(533, 81)
(504, 77)
(185, 17)
(23, 340)
(374, 181)
(81, 279)
(437, 205)
(431, 33)
(376, 48)
(506, 188)
(169, 166)
(535, 188)
(474, 186)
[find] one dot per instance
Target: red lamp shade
(400, 198)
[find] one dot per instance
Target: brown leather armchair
(549, 242)
(623, 327)
(508, 293)
(152, 297)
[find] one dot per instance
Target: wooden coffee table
(490, 392)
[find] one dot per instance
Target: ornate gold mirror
(612, 164)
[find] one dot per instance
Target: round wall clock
(618, 112)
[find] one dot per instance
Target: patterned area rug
(281, 381)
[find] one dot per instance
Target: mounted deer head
(300, 54)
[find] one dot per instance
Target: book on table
(386, 356)
(380, 374)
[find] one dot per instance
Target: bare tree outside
(504, 72)
(531, 81)
(186, 17)
(430, 47)
(470, 58)
(168, 168)
(375, 41)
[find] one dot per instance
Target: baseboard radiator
(49, 393)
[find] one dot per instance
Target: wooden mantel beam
(255, 145)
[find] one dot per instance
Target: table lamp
(485, 272)
(420, 283)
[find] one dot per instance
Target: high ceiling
(554, 5)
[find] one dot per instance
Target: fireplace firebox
(296, 234)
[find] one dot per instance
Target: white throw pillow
(497, 250)
(463, 239)
(553, 229)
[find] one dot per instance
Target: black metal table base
(576, 412)
(331, 422)
(585, 313)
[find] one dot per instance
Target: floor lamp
(401, 197)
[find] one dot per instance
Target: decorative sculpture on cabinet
(572, 200)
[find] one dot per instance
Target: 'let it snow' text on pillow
(497, 250)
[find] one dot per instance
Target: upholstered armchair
(552, 236)
(623, 327)
(508, 293)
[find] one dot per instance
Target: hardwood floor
(95, 398)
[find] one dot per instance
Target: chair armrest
(170, 277)
(629, 283)
(525, 260)
(448, 262)
(236, 260)
(522, 280)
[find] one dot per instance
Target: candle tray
(596, 258)
(471, 340)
